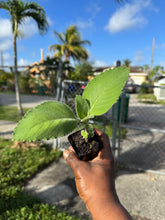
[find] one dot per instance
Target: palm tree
(71, 45)
(19, 11)
(127, 62)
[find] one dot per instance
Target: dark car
(130, 87)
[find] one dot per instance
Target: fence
(143, 147)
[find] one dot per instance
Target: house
(37, 71)
(159, 91)
(137, 75)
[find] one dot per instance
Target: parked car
(130, 87)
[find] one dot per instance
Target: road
(28, 101)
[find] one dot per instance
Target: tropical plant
(71, 45)
(155, 73)
(127, 62)
(19, 11)
(54, 119)
(6, 79)
(82, 71)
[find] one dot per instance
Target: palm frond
(120, 1)
(60, 36)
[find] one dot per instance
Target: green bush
(17, 166)
(24, 83)
(144, 89)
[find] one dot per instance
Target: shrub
(145, 88)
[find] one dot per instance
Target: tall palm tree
(71, 45)
(19, 11)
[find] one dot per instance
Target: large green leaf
(48, 120)
(82, 107)
(104, 90)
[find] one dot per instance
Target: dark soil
(85, 150)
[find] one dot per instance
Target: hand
(95, 180)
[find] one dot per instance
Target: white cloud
(23, 62)
(6, 41)
(6, 56)
(93, 10)
(139, 57)
(6, 44)
(129, 16)
(29, 29)
(85, 24)
(5, 28)
(99, 63)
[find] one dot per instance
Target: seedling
(54, 119)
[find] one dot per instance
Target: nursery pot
(85, 149)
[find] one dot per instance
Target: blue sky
(116, 31)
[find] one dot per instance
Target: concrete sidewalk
(142, 194)
(6, 129)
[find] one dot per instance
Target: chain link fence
(143, 147)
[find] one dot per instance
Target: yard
(18, 166)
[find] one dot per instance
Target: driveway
(144, 144)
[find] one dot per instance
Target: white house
(160, 91)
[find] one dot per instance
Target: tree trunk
(17, 90)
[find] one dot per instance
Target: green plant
(146, 88)
(17, 166)
(55, 119)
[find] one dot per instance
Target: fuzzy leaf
(104, 90)
(48, 120)
(82, 107)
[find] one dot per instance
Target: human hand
(95, 178)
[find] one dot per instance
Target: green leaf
(104, 90)
(48, 120)
(82, 107)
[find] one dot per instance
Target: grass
(16, 167)
(150, 99)
(10, 113)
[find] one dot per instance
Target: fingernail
(65, 154)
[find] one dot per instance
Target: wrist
(94, 202)
(100, 209)
(108, 209)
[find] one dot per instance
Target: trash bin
(41, 90)
(124, 101)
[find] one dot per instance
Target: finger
(71, 149)
(78, 166)
(106, 150)
(71, 158)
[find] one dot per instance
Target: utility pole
(1, 57)
(152, 56)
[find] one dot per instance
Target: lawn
(10, 113)
(150, 99)
(16, 167)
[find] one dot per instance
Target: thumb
(71, 159)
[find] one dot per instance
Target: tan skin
(95, 182)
